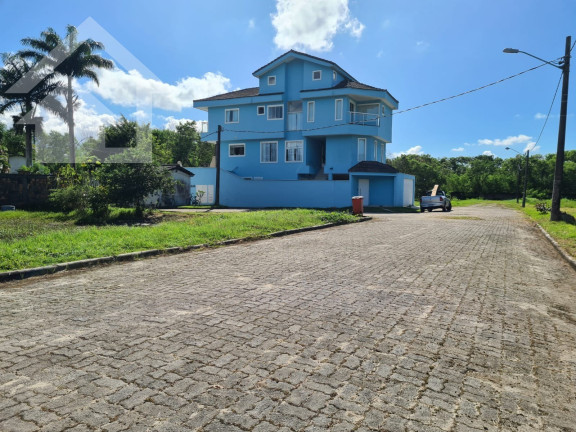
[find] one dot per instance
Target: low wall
(25, 190)
(238, 192)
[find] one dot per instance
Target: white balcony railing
(364, 119)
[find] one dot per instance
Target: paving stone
(364, 327)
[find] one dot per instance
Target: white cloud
(487, 153)
(540, 116)
(171, 123)
(142, 116)
(251, 24)
(304, 24)
(132, 89)
(422, 45)
(87, 121)
(458, 149)
(416, 150)
(506, 142)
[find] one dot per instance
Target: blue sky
(420, 50)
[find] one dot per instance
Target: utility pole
(217, 194)
(559, 169)
(525, 178)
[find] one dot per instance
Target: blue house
(309, 135)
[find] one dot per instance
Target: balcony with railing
(364, 119)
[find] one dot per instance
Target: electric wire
(398, 112)
(549, 111)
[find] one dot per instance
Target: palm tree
(70, 58)
(24, 86)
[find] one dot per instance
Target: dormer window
(317, 75)
(272, 80)
(334, 75)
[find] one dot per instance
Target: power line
(549, 110)
(469, 91)
(398, 112)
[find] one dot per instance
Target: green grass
(33, 239)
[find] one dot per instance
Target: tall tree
(23, 86)
(70, 58)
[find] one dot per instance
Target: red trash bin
(358, 205)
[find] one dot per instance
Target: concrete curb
(559, 248)
(131, 256)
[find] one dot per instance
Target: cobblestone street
(461, 321)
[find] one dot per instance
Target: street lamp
(525, 173)
(564, 66)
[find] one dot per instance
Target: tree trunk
(70, 119)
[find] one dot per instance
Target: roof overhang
(295, 55)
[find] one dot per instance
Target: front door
(364, 190)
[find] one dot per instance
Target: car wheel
(422, 210)
(429, 209)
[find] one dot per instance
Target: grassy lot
(32, 239)
(563, 232)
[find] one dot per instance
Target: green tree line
(488, 176)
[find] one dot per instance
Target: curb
(132, 256)
(559, 248)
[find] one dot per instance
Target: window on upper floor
(317, 75)
(338, 109)
(311, 107)
(294, 115)
(272, 80)
(236, 150)
(232, 115)
(261, 110)
(334, 75)
(275, 112)
(375, 150)
(361, 149)
(269, 152)
(382, 152)
(294, 151)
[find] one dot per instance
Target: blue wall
(237, 192)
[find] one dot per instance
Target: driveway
(462, 321)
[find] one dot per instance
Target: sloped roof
(178, 167)
(249, 92)
(373, 167)
(294, 52)
(348, 84)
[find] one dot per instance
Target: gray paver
(437, 322)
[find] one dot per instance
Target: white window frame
(262, 145)
(258, 110)
(382, 152)
(226, 115)
(319, 75)
(375, 150)
(236, 145)
(334, 75)
(310, 109)
(272, 80)
(361, 145)
(336, 109)
(301, 144)
(274, 106)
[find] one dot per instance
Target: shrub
(542, 207)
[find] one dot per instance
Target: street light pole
(564, 66)
(525, 175)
